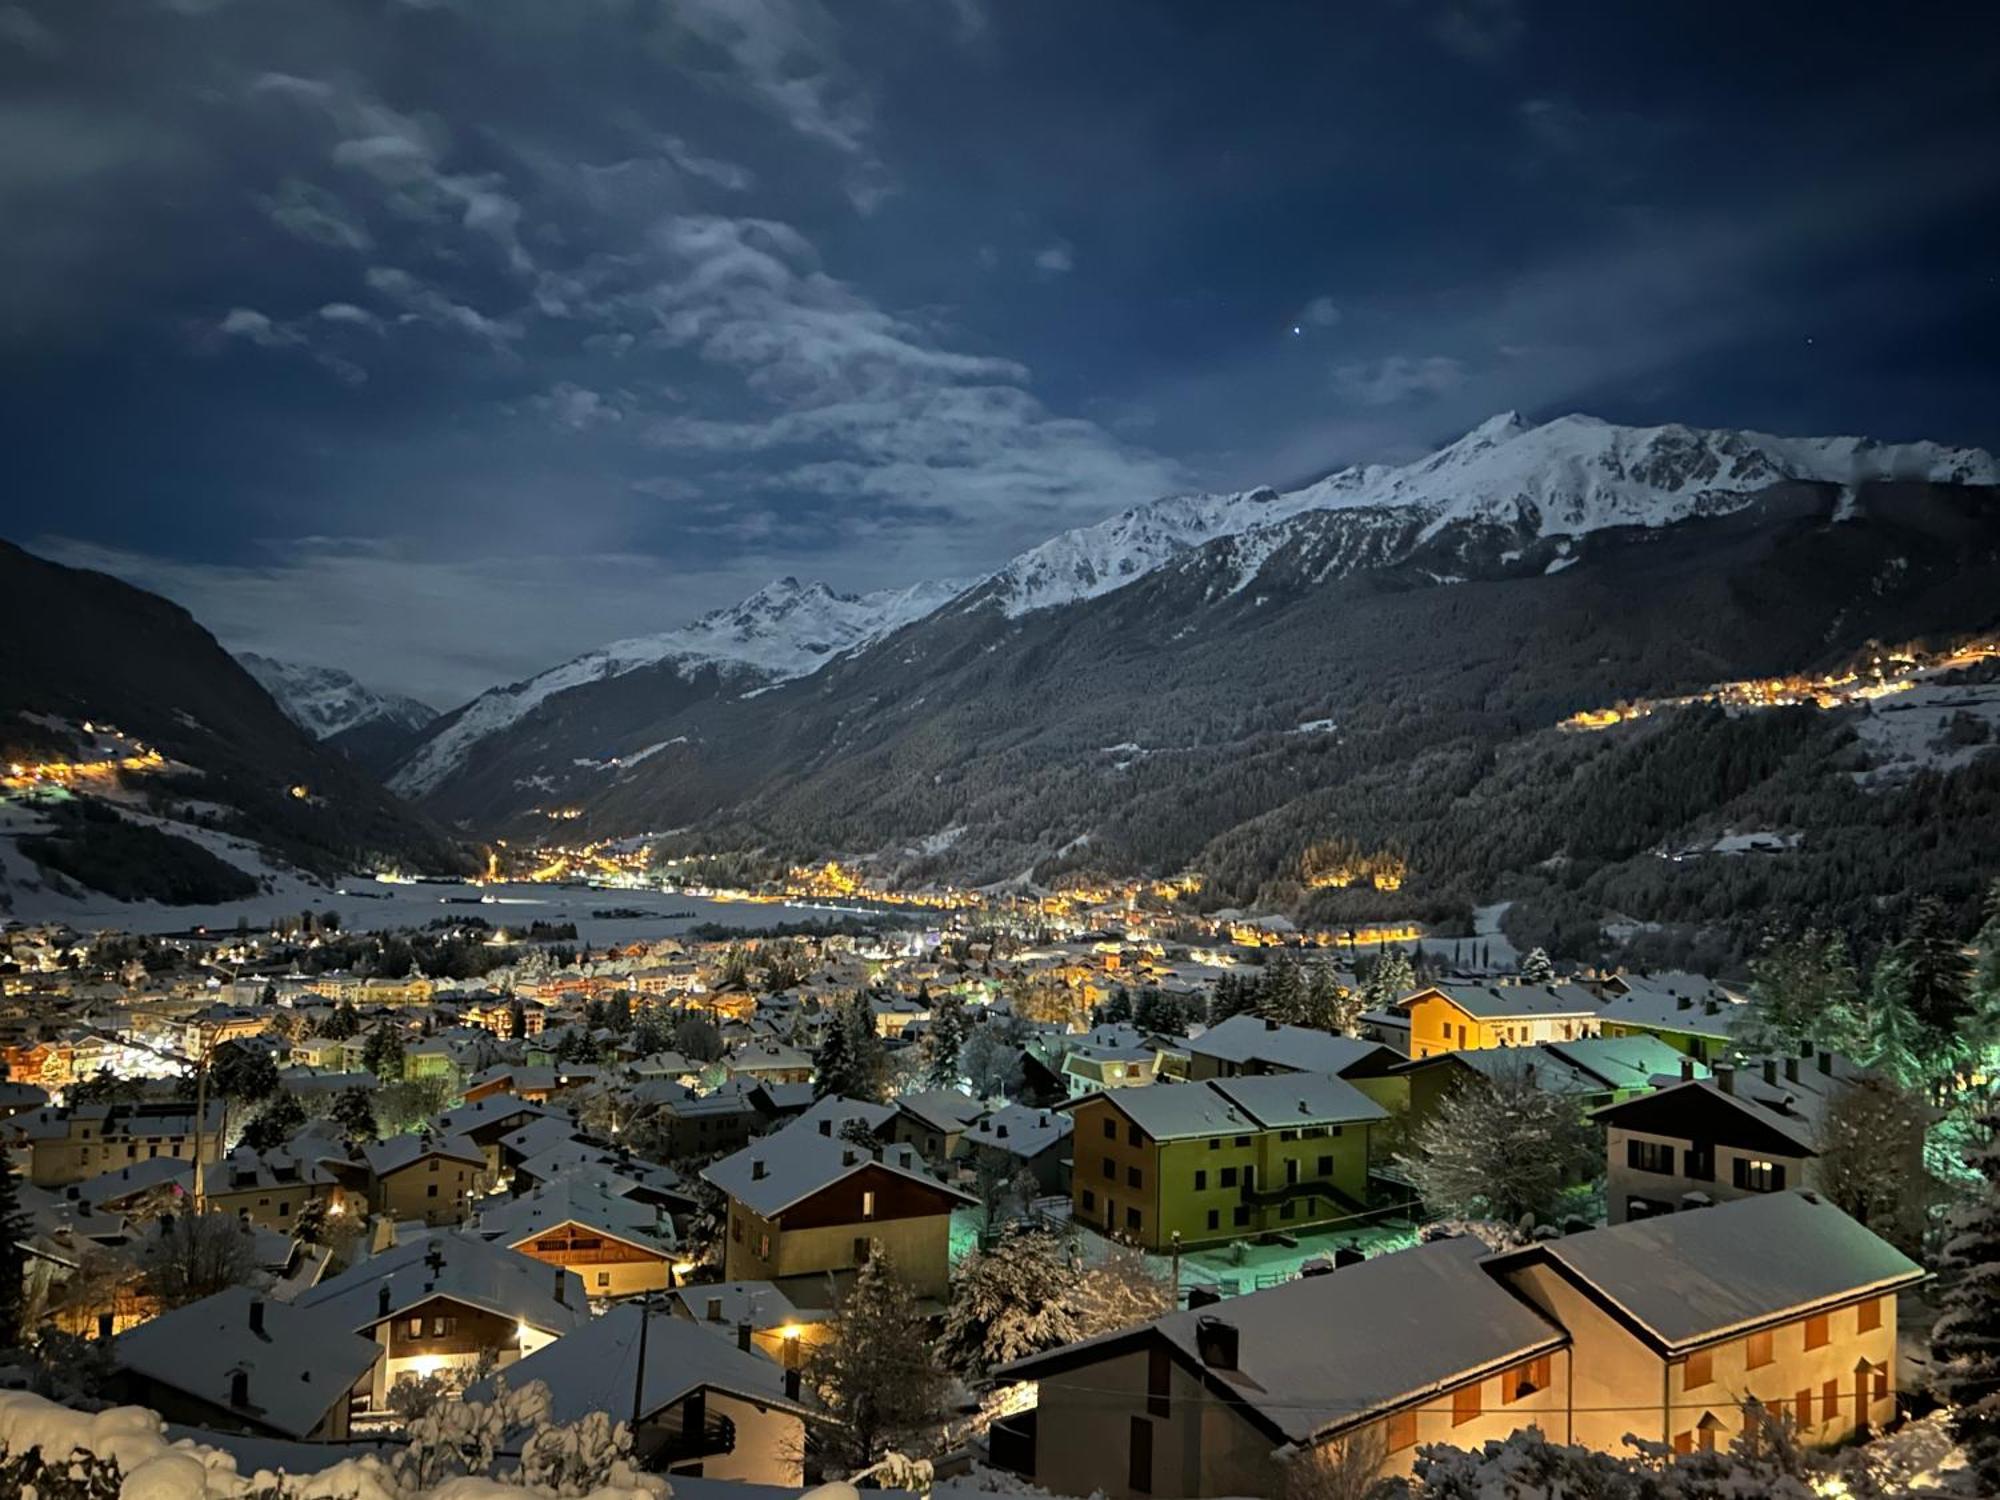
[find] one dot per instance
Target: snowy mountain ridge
(325, 701)
(786, 629)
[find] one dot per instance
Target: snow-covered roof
(769, 1176)
(460, 1267)
(1325, 1353)
(1239, 1106)
(761, 1304)
(594, 1368)
(591, 1196)
(1512, 1002)
(538, 1135)
(400, 1151)
(1703, 1274)
(1020, 1129)
(300, 1365)
(941, 1109)
(1246, 1038)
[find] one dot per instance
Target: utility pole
(200, 1119)
(1177, 1267)
(639, 1375)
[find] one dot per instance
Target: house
(1248, 1044)
(700, 1406)
(1446, 1018)
(803, 1204)
(1675, 1322)
(1689, 1012)
(1418, 1346)
(423, 1176)
(1037, 1140)
(1108, 1057)
(239, 1362)
(1593, 1072)
(1744, 1130)
(488, 1120)
(770, 1062)
(68, 1145)
(585, 1222)
(1226, 1159)
(272, 1188)
(1661, 1329)
(780, 1327)
(691, 1124)
(448, 1301)
(934, 1121)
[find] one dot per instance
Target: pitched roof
(769, 1176)
(591, 1196)
(300, 1366)
(1326, 1352)
(460, 1267)
(1020, 1129)
(761, 1304)
(1246, 1038)
(1512, 1002)
(1239, 1106)
(1688, 1278)
(401, 1151)
(941, 1109)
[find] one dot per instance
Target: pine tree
(278, 1121)
(1015, 1299)
(1232, 997)
(1502, 1148)
(382, 1055)
(944, 1041)
(1119, 1006)
(1803, 991)
(1389, 980)
(14, 1231)
(1281, 994)
(1966, 1341)
(1889, 1037)
(1940, 976)
(1537, 967)
(833, 1063)
(875, 1374)
(354, 1112)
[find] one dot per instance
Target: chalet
(448, 1301)
(703, 1406)
(1037, 1139)
(238, 1362)
(1744, 1130)
(691, 1124)
(770, 1062)
(1109, 1057)
(423, 1176)
(1583, 1337)
(1200, 1163)
(803, 1203)
(1461, 1017)
(584, 1222)
(488, 1120)
(934, 1121)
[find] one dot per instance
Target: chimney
(847, 1156)
(1202, 1296)
(1270, 1024)
(239, 1388)
(1683, 1002)
(1725, 1078)
(756, 1169)
(257, 1316)
(792, 1383)
(382, 1300)
(105, 1323)
(1791, 1070)
(1687, 1070)
(562, 1286)
(826, 1127)
(1217, 1343)
(715, 1309)
(1826, 1063)
(743, 1336)
(1771, 1071)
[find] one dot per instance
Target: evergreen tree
(1390, 978)
(851, 1061)
(1232, 996)
(278, 1121)
(14, 1231)
(1803, 991)
(1940, 976)
(1537, 967)
(1015, 1299)
(342, 1024)
(1501, 1148)
(944, 1041)
(1118, 1007)
(1966, 1341)
(354, 1112)
(1281, 994)
(382, 1055)
(875, 1373)
(1889, 1037)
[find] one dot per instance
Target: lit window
(868, 1204)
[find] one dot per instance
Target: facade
(424, 1177)
(69, 1145)
(1230, 1158)
(1458, 1018)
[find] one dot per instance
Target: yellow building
(619, 1246)
(424, 1177)
(1461, 1018)
(1228, 1158)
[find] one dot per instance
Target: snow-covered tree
(1015, 1299)
(1231, 996)
(1803, 991)
(851, 1062)
(196, 1256)
(1347, 1468)
(1281, 992)
(1889, 1037)
(1537, 967)
(1501, 1148)
(1121, 1290)
(277, 1122)
(991, 1057)
(944, 1040)
(1871, 1159)
(1940, 975)
(1966, 1340)
(14, 1229)
(875, 1373)
(579, 1458)
(354, 1112)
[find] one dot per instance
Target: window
(1243, 1140)
(1757, 1350)
(1131, 1135)
(1132, 1218)
(1818, 1335)
(1288, 1135)
(1215, 1143)
(1089, 1200)
(1134, 1178)
(1525, 1379)
(1215, 1218)
(1110, 1129)
(1880, 1382)
(1868, 1316)
(416, 1328)
(1400, 1432)
(1465, 1404)
(1288, 1210)
(1291, 1170)
(1201, 1179)
(1326, 1166)
(604, 1278)
(1158, 1371)
(1650, 1156)
(440, 1326)
(1755, 1175)
(1139, 1470)
(1110, 1169)
(1829, 1401)
(1241, 1217)
(1698, 1371)
(431, 1190)
(862, 1249)
(1698, 1162)
(1228, 1177)
(1802, 1408)
(868, 1203)
(736, 1229)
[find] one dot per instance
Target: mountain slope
(326, 702)
(784, 630)
(106, 653)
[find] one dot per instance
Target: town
(1083, 1210)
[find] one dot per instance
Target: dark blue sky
(440, 339)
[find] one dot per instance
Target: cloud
(19, 28)
(1321, 312)
(312, 213)
(787, 53)
(1056, 259)
(423, 303)
(723, 174)
(576, 407)
(248, 323)
(1385, 382)
(1480, 31)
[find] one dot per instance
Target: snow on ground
(1486, 939)
(1756, 841)
(1910, 732)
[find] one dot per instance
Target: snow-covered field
(1908, 733)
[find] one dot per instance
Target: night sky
(441, 339)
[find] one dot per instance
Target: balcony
(681, 1436)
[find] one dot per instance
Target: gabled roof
(761, 1304)
(1781, 1113)
(593, 1369)
(400, 1151)
(465, 1269)
(1238, 1106)
(1246, 1039)
(300, 1366)
(941, 1109)
(1020, 1129)
(1325, 1353)
(589, 1196)
(1686, 1279)
(1688, 1003)
(785, 1168)
(539, 1135)
(1512, 1002)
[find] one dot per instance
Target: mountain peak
(325, 701)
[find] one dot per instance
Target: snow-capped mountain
(786, 629)
(1567, 477)
(324, 701)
